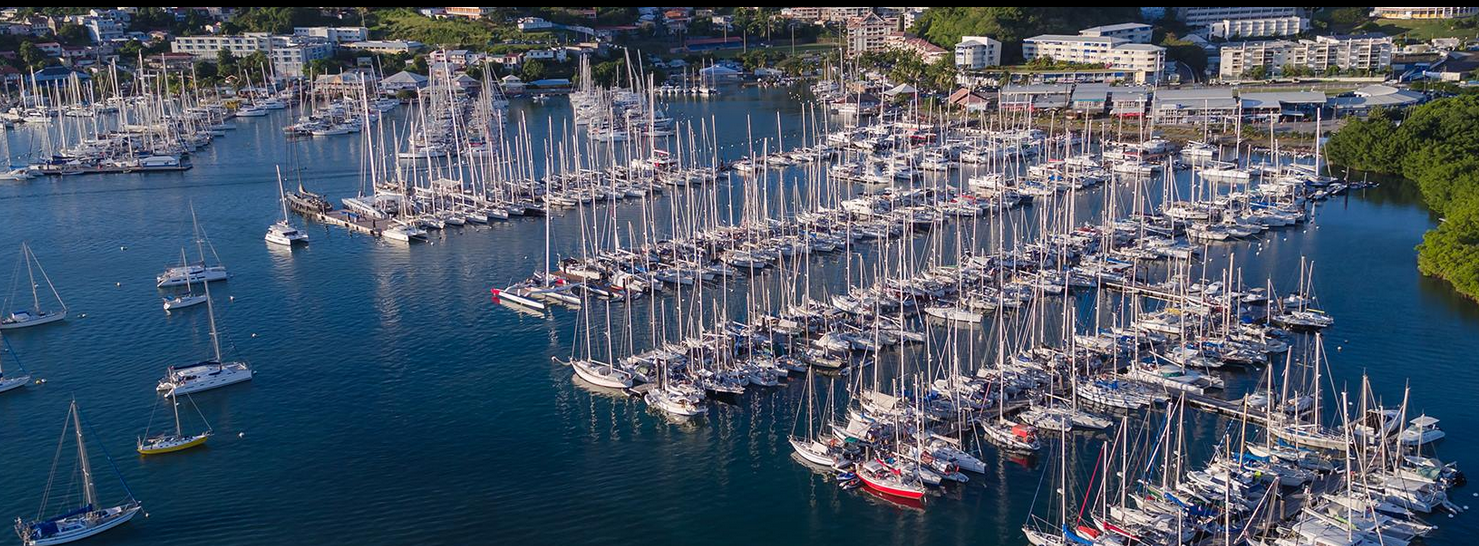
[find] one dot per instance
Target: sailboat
(87, 519)
(283, 233)
(12, 382)
(602, 374)
(34, 316)
(178, 441)
(197, 272)
(209, 374)
(189, 298)
(815, 449)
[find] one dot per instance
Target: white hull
(173, 277)
(804, 449)
(183, 302)
(602, 375)
(12, 383)
(283, 234)
(76, 535)
(203, 378)
(11, 324)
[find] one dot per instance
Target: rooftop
(1116, 27)
(1073, 38)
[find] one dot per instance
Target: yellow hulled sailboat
(177, 441)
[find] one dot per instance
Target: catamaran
(187, 274)
(87, 519)
(283, 233)
(35, 315)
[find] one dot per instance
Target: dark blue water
(395, 404)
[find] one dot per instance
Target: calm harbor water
(395, 404)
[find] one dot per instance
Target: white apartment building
(1423, 13)
(1146, 61)
(1365, 52)
(1228, 29)
(869, 33)
(1200, 17)
(103, 29)
(977, 52)
(338, 35)
(288, 53)
(1135, 33)
(387, 46)
(826, 14)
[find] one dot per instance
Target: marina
(965, 328)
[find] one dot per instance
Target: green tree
(205, 71)
(226, 62)
(73, 34)
(1437, 148)
(532, 70)
(32, 55)
(943, 26)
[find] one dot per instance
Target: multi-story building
(911, 16)
(977, 52)
(103, 29)
(289, 54)
(869, 33)
(470, 13)
(1201, 17)
(338, 35)
(1145, 62)
(1135, 33)
(826, 15)
(1369, 52)
(1227, 29)
(842, 15)
(810, 15)
(1423, 13)
(927, 52)
(387, 46)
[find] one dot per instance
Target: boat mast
(282, 198)
(210, 310)
(31, 275)
(174, 402)
(89, 492)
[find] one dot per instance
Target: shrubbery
(1437, 147)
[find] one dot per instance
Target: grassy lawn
(1349, 21)
(1425, 30)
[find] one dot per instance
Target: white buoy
(117, 284)
(122, 248)
(231, 298)
(254, 334)
(241, 435)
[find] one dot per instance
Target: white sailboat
(11, 382)
(35, 315)
(188, 299)
(186, 274)
(209, 374)
(602, 374)
(77, 522)
(283, 233)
